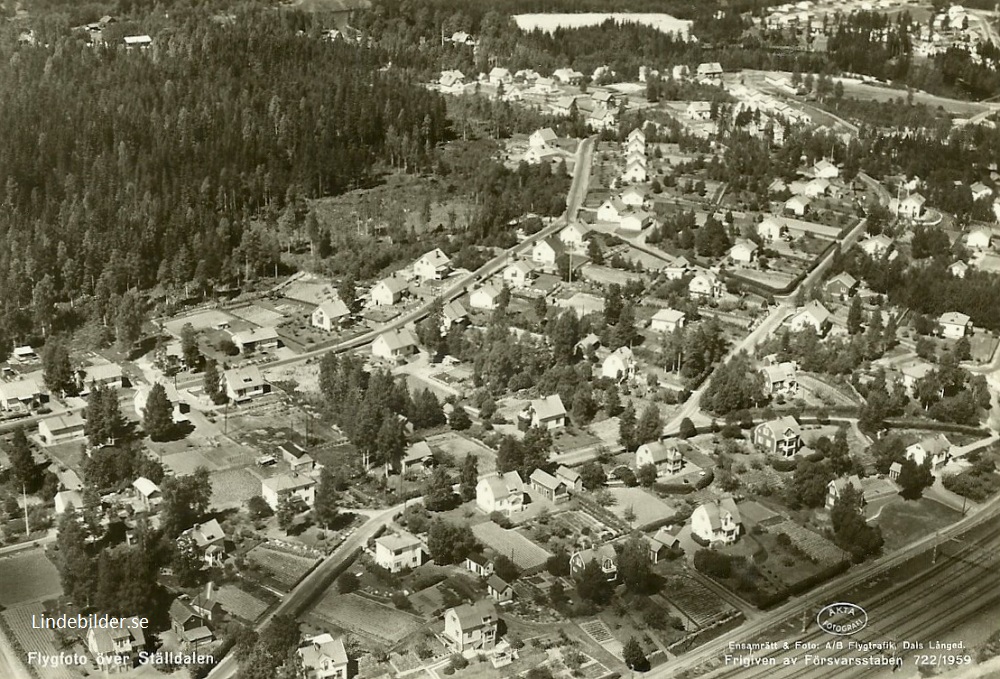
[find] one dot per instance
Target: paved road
(791, 612)
(314, 584)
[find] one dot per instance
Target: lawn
(526, 554)
(354, 613)
(285, 569)
(28, 576)
(648, 508)
(233, 487)
(904, 522)
(241, 604)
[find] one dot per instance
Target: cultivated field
(812, 544)
(550, 22)
(697, 602)
(286, 569)
(27, 577)
(353, 613)
(233, 487)
(18, 623)
(525, 553)
(240, 603)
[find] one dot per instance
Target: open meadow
(28, 576)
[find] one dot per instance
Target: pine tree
(855, 317)
(650, 426)
(189, 347)
(612, 401)
(56, 369)
(158, 415)
(325, 508)
(76, 567)
(470, 477)
(212, 382)
(627, 429)
(26, 473)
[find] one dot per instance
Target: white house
(245, 383)
(116, 649)
(543, 138)
(667, 320)
(432, 266)
(471, 626)
(502, 493)
(67, 499)
(744, 252)
(771, 229)
(19, 396)
(824, 169)
(290, 485)
(797, 205)
(812, 314)
(209, 539)
(500, 76)
(537, 156)
(677, 269)
(395, 345)
(398, 551)
(389, 290)
(816, 188)
(552, 489)
(635, 172)
(709, 70)
(107, 375)
(717, 523)
(636, 135)
(780, 379)
(705, 284)
(699, 110)
(547, 251)
(567, 76)
(571, 477)
(329, 315)
(324, 657)
(611, 210)
(958, 269)
(666, 456)
(633, 196)
(980, 238)
(955, 325)
(547, 413)
(518, 274)
(836, 487)
(876, 247)
(980, 191)
(636, 220)
(619, 365)
(574, 236)
(935, 448)
(452, 314)
(485, 297)
(298, 459)
(911, 207)
(148, 493)
(256, 339)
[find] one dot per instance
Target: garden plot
(599, 632)
(813, 545)
(647, 507)
(239, 603)
(27, 577)
(204, 320)
(258, 315)
(285, 569)
(526, 554)
(701, 605)
(354, 613)
(233, 487)
(582, 523)
(18, 623)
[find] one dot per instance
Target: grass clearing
(904, 522)
(354, 613)
(28, 576)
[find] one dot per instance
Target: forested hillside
(131, 168)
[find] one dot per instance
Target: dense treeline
(132, 168)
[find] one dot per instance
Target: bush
(732, 431)
(782, 465)
(458, 662)
(347, 583)
(400, 601)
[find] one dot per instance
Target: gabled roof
(334, 309)
(246, 377)
(394, 283)
(473, 616)
(663, 451)
(145, 487)
(435, 258)
(22, 390)
(816, 311)
(546, 480)
(497, 583)
(288, 482)
(69, 498)
(844, 481)
(570, 475)
(743, 246)
(553, 243)
(400, 338)
(580, 229)
(454, 311)
(823, 165)
(205, 534)
(716, 512)
(605, 551)
(845, 279)
(524, 267)
(322, 650)
(105, 371)
(418, 451)
(617, 204)
(246, 337)
(504, 485)
(549, 407)
(59, 423)
(546, 134)
(293, 449)
(668, 316)
(637, 133)
(935, 445)
(782, 425)
(782, 372)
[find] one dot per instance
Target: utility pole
(24, 496)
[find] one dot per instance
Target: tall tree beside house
(104, 422)
(129, 317)
(855, 316)
(627, 435)
(391, 442)
(158, 415)
(56, 368)
(73, 560)
(450, 543)
(633, 655)
(650, 425)
(270, 654)
(624, 333)
(43, 304)
(591, 584)
(851, 532)
(288, 508)
(469, 478)
(734, 386)
(612, 401)
(25, 473)
(438, 495)
(186, 562)
(212, 382)
(506, 569)
(325, 509)
(913, 478)
(634, 566)
(459, 419)
(189, 347)
(185, 501)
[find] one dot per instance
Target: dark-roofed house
(605, 555)
(472, 626)
(296, 457)
(717, 522)
(841, 286)
(571, 477)
(663, 541)
(324, 657)
(551, 488)
(418, 456)
(499, 590)
(664, 455)
(782, 436)
(547, 413)
(479, 564)
(187, 623)
(453, 314)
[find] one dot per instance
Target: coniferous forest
(131, 168)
